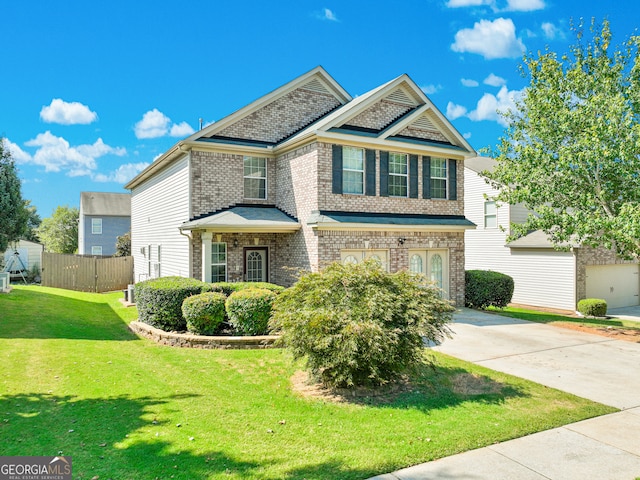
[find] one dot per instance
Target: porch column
(206, 256)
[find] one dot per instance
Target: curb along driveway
(590, 366)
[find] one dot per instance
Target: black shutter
(370, 169)
(337, 169)
(384, 174)
(453, 180)
(413, 176)
(426, 177)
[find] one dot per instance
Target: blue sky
(92, 92)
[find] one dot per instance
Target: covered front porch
(242, 244)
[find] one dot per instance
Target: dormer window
(255, 178)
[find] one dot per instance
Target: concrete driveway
(591, 366)
(627, 313)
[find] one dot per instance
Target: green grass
(545, 317)
(75, 381)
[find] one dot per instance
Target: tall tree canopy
(571, 152)
(59, 232)
(13, 214)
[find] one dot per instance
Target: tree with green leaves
(33, 222)
(59, 232)
(123, 245)
(571, 152)
(13, 214)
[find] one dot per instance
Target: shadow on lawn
(36, 314)
(117, 437)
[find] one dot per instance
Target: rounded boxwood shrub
(249, 310)
(159, 300)
(359, 325)
(592, 307)
(484, 288)
(229, 287)
(204, 312)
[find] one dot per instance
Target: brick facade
(379, 115)
(424, 134)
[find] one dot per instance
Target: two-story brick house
(305, 176)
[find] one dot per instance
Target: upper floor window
(255, 178)
(353, 170)
(438, 178)
(490, 215)
(398, 175)
(96, 226)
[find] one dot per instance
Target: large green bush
(229, 287)
(249, 310)
(592, 307)
(159, 300)
(484, 288)
(359, 325)
(204, 312)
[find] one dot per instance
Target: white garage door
(617, 284)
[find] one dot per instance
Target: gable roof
(105, 204)
(480, 164)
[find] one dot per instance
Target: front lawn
(76, 382)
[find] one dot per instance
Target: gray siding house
(103, 218)
(305, 176)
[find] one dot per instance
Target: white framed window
(96, 226)
(358, 256)
(218, 262)
(96, 250)
(255, 178)
(398, 175)
(490, 215)
(438, 178)
(353, 170)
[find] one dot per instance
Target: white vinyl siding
(158, 207)
(542, 277)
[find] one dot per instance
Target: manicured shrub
(484, 288)
(159, 300)
(204, 312)
(592, 307)
(229, 287)
(359, 325)
(249, 310)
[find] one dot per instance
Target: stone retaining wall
(190, 340)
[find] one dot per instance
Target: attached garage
(618, 284)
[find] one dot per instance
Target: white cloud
(489, 105)
(154, 124)
(551, 32)
(492, 40)
(455, 111)
(431, 89)
(468, 3)
(494, 80)
(19, 155)
(67, 113)
(181, 130)
(467, 82)
(525, 5)
(122, 174)
(327, 14)
(55, 154)
(467, 135)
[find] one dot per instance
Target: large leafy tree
(13, 214)
(571, 152)
(59, 232)
(33, 222)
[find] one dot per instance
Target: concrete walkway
(590, 366)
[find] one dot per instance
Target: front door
(255, 264)
(433, 264)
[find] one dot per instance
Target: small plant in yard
(249, 310)
(592, 307)
(204, 312)
(484, 288)
(159, 300)
(359, 325)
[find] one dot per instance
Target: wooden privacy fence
(85, 273)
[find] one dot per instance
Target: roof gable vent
(424, 123)
(316, 85)
(400, 96)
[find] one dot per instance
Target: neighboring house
(543, 276)
(305, 176)
(103, 218)
(29, 257)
